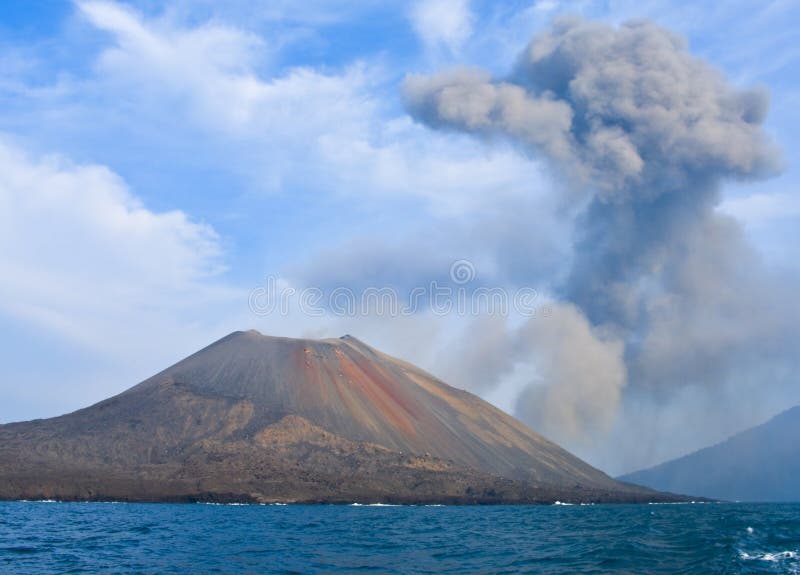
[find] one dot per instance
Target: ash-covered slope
(759, 464)
(257, 418)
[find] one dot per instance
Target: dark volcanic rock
(257, 418)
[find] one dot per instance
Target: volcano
(254, 418)
(759, 464)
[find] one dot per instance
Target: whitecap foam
(771, 557)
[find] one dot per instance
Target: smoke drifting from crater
(642, 134)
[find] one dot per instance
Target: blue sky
(158, 162)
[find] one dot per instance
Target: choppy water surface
(140, 538)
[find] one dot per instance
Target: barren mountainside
(758, 464)
(258, 418)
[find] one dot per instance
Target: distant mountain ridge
(260, 418)
(759, 464)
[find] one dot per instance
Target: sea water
(42, 537)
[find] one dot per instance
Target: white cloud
(334, 131)
(442, 23)
(82, 258)
(762, 209)
(207, 66)
(545, 5)
(311, 13)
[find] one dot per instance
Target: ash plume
(642, 134)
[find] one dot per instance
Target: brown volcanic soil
(261, 419)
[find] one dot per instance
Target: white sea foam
(771, 557)
(681, 502)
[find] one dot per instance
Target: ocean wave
(776, 557)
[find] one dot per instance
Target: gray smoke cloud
(663, 292)
(629, 112)
(583, 371)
